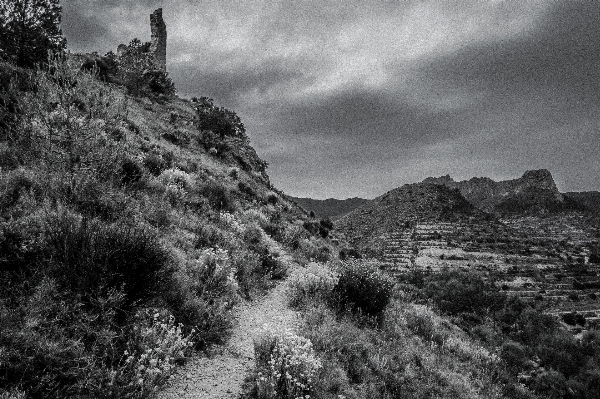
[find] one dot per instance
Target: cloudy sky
(353, 98)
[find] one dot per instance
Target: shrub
(153, 349)
(234, 173)
(272, 266)
(362, 286)
(247, 266)
(9, 156)
(346, 253)
(311, 226)
(514, 354)
(254, 236)
(246, 189)
(456, 292)
(175, 177)
(95, 199)
(221, 121)
(204, 296)
(154, 164)
(90, 259)
(316, 281)
(16, 184)
(65, 120)
(130, 172)
(272, 199)
(286, 365)
(551, 384)
(209, 236)
(218, 197)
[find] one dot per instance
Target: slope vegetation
(131, 224)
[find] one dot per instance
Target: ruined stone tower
(158, 45)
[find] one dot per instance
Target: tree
(28, 30)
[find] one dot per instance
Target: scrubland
(132, 222)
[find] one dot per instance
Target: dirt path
(222, 376)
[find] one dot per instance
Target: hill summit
(533, 193)
(405, 206)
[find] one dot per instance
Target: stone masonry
(158, 44)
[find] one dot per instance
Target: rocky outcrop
(534, 192)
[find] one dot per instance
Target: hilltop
(403, 207)
(533, 193)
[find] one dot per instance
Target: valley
(545, 257)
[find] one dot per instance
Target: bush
(209, 236)
(362, 286)
(218, 197)
(130, 172)
(153, 349)
(246, 189)
(155, 164)
(286, 365)
(456, 292)
(90, 259)
(221, 121)
(204, 295)
(314, 282)
(272, 266)
(514, 354)
(16, 184)
(272, 199)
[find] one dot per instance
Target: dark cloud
(83, 31)
(562, 55)
(349, 98)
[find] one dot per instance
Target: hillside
(132, 237)
(144, 253)
(533, 193)
(331, 207)
(590, 199)
(402, 207)
(131, 224)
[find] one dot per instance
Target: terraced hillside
(403, 208)
(547, 258)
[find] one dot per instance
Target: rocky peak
(442, 180)
(488, 194)
(541, 178)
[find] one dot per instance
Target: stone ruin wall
(158, 43)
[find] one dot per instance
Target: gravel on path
(221, 376)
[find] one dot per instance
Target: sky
(352, 98)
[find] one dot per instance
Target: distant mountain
(534, 193)
(406, 205)
(590, 199)
(329, 208)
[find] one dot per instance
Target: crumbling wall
(158, 44)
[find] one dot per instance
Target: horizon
(451, 177)
(352, 100)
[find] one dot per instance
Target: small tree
(28, 30)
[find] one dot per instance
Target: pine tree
(28, 30)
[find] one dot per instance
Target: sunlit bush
(362, 286)
(286, 365)
(316, 281)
